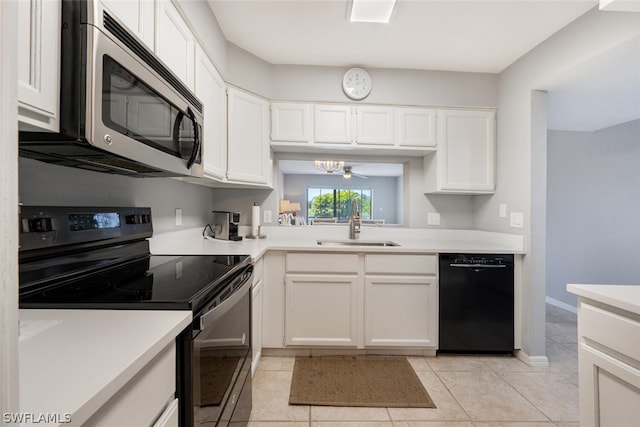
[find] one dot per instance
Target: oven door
(221, 359)
(134, 112)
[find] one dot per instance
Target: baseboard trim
(560, 304)
(533, 361)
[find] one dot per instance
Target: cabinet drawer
(400, 264)
(597, 325)
(322, 263)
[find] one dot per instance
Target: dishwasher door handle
(478, 265)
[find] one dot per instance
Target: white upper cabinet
(211, 90)
(248, 145)
(38, 64)
(465, 160)
(374, 125)
(333, 124)
(366, 129)
(136, 15)
(416, 127)
(291, 122)
(175, 43)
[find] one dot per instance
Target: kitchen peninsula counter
(73, 361)
(191, 241)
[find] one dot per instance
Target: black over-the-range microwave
(121, 109)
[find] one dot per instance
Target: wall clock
(356, 83)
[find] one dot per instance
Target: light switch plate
(267, 217)
(502, 210)
(178, 217)
(517, 219)
(433, 218)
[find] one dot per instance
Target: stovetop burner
(157, 281)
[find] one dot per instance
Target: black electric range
(98, 258)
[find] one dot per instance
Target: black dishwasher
(476, 303)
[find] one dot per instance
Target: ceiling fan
(348, 173)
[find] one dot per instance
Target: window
(335, 203)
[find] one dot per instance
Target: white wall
(47, 184)
(517, 161)
(593, 201)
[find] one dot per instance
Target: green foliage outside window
(336, 203)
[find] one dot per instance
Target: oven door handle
(211, 317)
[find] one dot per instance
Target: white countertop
(74, 361)
(624, 297)
(191, 241)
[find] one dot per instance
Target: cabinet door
(609, 389)
(321, 310)
(291, 122)
(38, 63)
(400, 311)
(333, 124)
(416, 127)
(467, 150)
(136, 15)
(175, 44)
(211, 90)
(375, 125)
(256, 325)
(248, 147)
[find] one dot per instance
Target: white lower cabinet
(399, 311)
(143, 400)
(366, 301)
(400, 298)
(609, 366)
(256, 315)
(321, 309)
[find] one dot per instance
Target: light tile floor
(469, 391)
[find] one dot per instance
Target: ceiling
(454, 35)
(449, 35)
(602, 92)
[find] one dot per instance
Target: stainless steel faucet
(354, 220)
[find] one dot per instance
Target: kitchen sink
(357, 243)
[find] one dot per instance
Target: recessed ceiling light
(378, 11)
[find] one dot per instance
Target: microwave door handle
(196, 139)
(176, 132)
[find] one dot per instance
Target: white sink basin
(357, 243)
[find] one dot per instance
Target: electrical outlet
(517, 219)
(267, 217)
(178, 217)
(502, 210)
(433, 218)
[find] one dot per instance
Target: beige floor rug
(373, 381)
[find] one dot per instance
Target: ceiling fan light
(329, 166)
(376, 11)
(346, 175)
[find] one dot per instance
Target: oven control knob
(134, 219)
(38, 225)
